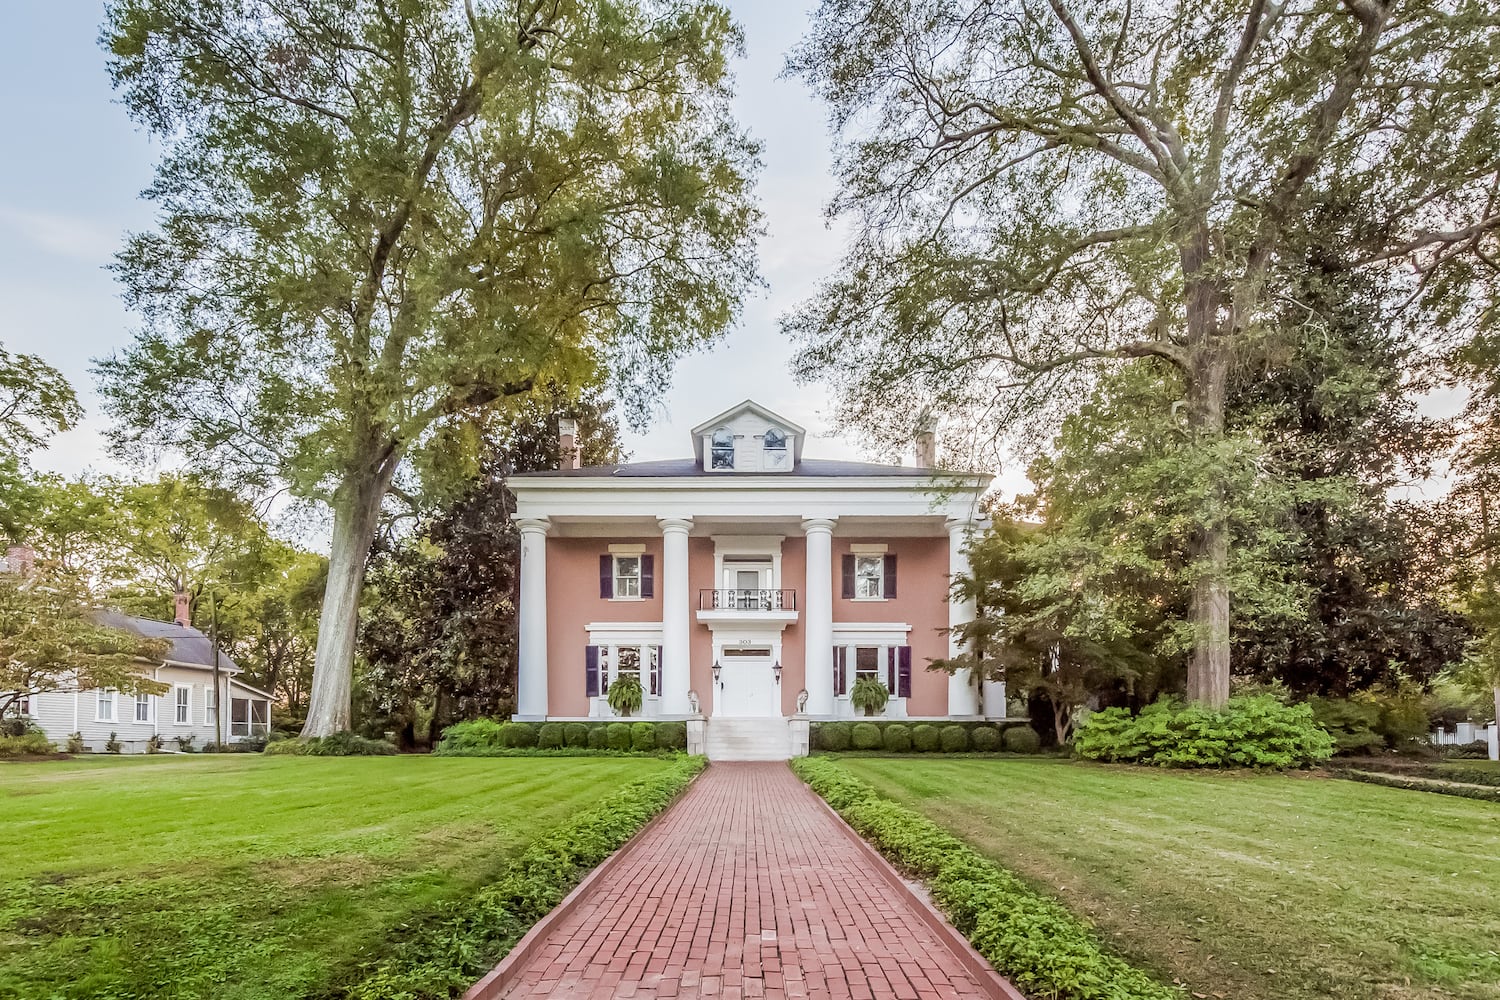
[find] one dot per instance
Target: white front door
(747, 684)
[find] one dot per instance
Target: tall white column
(676, 673)
(817, 625)
(531, 666)
(963, 698)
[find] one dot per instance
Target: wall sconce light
(718, 669)
(777, 671)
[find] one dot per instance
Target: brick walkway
(747, 889)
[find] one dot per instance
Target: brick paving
(747, 888)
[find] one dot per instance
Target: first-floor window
(210, 706)
(143, 708)
(607, 664)
(867, 663)
(104, 706)
(184, 696)
(248, 717)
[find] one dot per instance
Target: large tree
(381, 220)
(1041, 187)
(36, 401)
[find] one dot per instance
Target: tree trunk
(1208, 670)
(356, 513)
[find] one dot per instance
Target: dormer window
(721, 451)
(774, 444)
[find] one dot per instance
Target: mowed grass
(1253, 887)
(243, 877)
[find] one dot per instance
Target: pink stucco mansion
(734, 581)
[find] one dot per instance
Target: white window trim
(749, 545)
(135, 714)
(210, 706)
(869, 555)
(114, 706)
(189, 706)
(614, 574)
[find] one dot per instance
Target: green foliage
(341, 744)
(642, 736)
(550, 736)
(1253, 731)
(897, 738)
(869, 696)
(32, 744)
(471, 735)
(1021, 739)
(576, 735)
(599, 737)
(112, 745)
(953, 739)
(154, 744)
(985, 739)
(625, 696)
(925, 738)
(865, 736)
(1029, 938)
(1352, 724)
(36, 401)
(184, 743)
(521, 734)
(75, 742)
(618, 736)
(671, 735)
(833, 736)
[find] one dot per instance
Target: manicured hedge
(1028, 937)
(1485, 793)
(865, 736)
(1021, 739)
(919, 737)
(345, 744)
(444, 954)
(491, 738)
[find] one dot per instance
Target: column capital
(682, 524)
(962, 525)
(815, 524)
(529, 525)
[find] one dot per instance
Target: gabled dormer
(748, 438)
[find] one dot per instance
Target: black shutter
(849, 577)
(890, 577)
(838, 669)
(903, 672)
(591, 671)
(648, 578)
(891, 681)
(606, 576)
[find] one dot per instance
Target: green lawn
(239, 877)
(1253, 887)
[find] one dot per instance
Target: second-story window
(627, 576)
(774, 443)
(869, 577)
(721, 449)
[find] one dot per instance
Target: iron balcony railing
(747, 600)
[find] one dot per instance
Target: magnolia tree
(381, 224)
(1040, 187)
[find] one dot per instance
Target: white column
(817, 626)
(676, 673)
(962, 695)
(531, 666)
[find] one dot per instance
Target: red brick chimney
(567, 443)
(184, 612)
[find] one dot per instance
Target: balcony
(747, 600)
(755, 609)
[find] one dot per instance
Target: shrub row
(1253, 731)
(344, 744)
(1414, 784)
(32, 744)
(1031, 939)
(483, 737)
(445, 953)
(1437, 772)
(923, 737)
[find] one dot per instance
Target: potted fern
(869, 696)
(625, 695)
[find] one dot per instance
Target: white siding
(54, 712)
(748, 427)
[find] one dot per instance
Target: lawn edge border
(975, 964)
(499, 978)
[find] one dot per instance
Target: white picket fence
(1467, 732)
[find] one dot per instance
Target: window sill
(869, 600)
(627, 600)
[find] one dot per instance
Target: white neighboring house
(186, 709)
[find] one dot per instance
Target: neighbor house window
(721, 449)
(239, 716)
(143, 708)
(104, 707)
(869, 577)
(210, 707)
(627, 576)
(184, 699)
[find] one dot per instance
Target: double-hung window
(104, 706)
(869, 577)
(210, 707)
(721, 450)
(627, 576)
(143, 708)
(183, 700)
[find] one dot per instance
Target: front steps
(748, 739)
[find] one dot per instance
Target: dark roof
(188, 644)
(818, 468)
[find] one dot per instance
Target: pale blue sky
(68, 191)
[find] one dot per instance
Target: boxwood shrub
(897, 738)
(924, 738)
(576, 735)
(985, 739)
(617, 735)
(953, 739)
(598, 738)
(865, 736)
(550, 735)
(1249, 731)
(834, 736)
(1021, 739)
(671, 735)
(1028, 937)
(642, 736)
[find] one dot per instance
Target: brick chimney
(184, 612)
(20, 560)
(567, 443)
(925, 441)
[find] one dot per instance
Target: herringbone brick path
(748, 888)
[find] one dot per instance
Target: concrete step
(748, 739)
